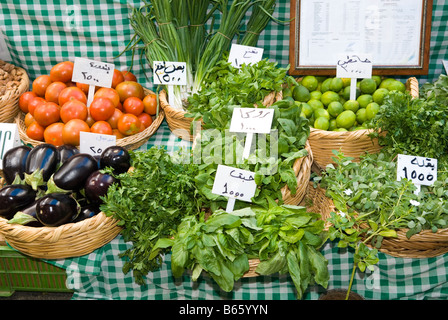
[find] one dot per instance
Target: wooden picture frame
(300, 67)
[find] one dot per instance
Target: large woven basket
(130, 142)
(350, 143)
(426, 244)
(180, 125)
(68, 240)
(15, 82)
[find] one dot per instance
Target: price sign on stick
(250, 121)
(354, 66)
(420, 170)
(94, 73)
(9, 138)
(240, 55)
(170, 74)
(95, 143)
(234, 184)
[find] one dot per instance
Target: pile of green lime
(327, 104)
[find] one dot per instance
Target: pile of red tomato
(56, 108)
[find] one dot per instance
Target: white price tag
(235, 184)
(240, 55)
(170, 73)
(93, 73)
(95, 143)
(9, 138)
(354, 66)
(420, 170)
(251, 120)
(445, 65)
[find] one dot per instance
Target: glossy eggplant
(27, 216)
(96, 186)
(14, 198)
(117, 158)
(56, 209)
(88, 211)
(73, 173)
(66, 151)
(14, 163)
(44, 157)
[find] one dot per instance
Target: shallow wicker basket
(350, 143)
(9, 101)
(426, 244)
(68, 240)
(180, 125)
(130, 142)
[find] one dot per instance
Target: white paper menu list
(388, 29)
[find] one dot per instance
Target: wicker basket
(426, 244)
(65, 241)
(9, 107)
(180, 125)
(130, 142)
(351, 143)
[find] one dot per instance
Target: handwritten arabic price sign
(354, 66)
(9, 138)
(240, 55)
(95, 143)
(170, 73)
(420, 170)
(234, 184)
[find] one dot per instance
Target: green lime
(346, 93)
(346, 82)
(321, 78)
(361, 115)
(321, 113)
(377, 80)
(307, 109)
(352, 105)
(397, 85)
(367, 85)
(346, 119)
(328, 97)
(379, 94)
(322, 123)
(364, 100)
(287, 92)
(326, 85)
(335, 108)
(336, 84)
(315, 104)
(372, 110)
(332, 125)
(386, 82)
(340, 130)
(310, 82)
(315, 95)
(301, 93)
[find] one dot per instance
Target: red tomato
(120, 106)
(113, 121)
(90, 121)
(71, 130)
(102, 127)
(73, 109)
(53, 134)
(62, 72)
(118, 134)
(47, 113)
(101, 109)
(25, 99)
(128, 89)
(117, 78)
(70, 93)
(128, 124)
(150, 103)
(35, 131)
(84, 87)
(133, 105)
(32, 105)
(40, 85)
(145, 119)
(128, 76)
(108, 93)
(53, 91)
(29, 119)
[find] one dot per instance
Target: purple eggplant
(117, 158)
(74, 172)
(14, 198)
(27, 216)
(14, 163)
(56, 209)
(66, 151)
(44, 158)
(96, 186)
(88, 211)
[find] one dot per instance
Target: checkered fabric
(40, 34)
